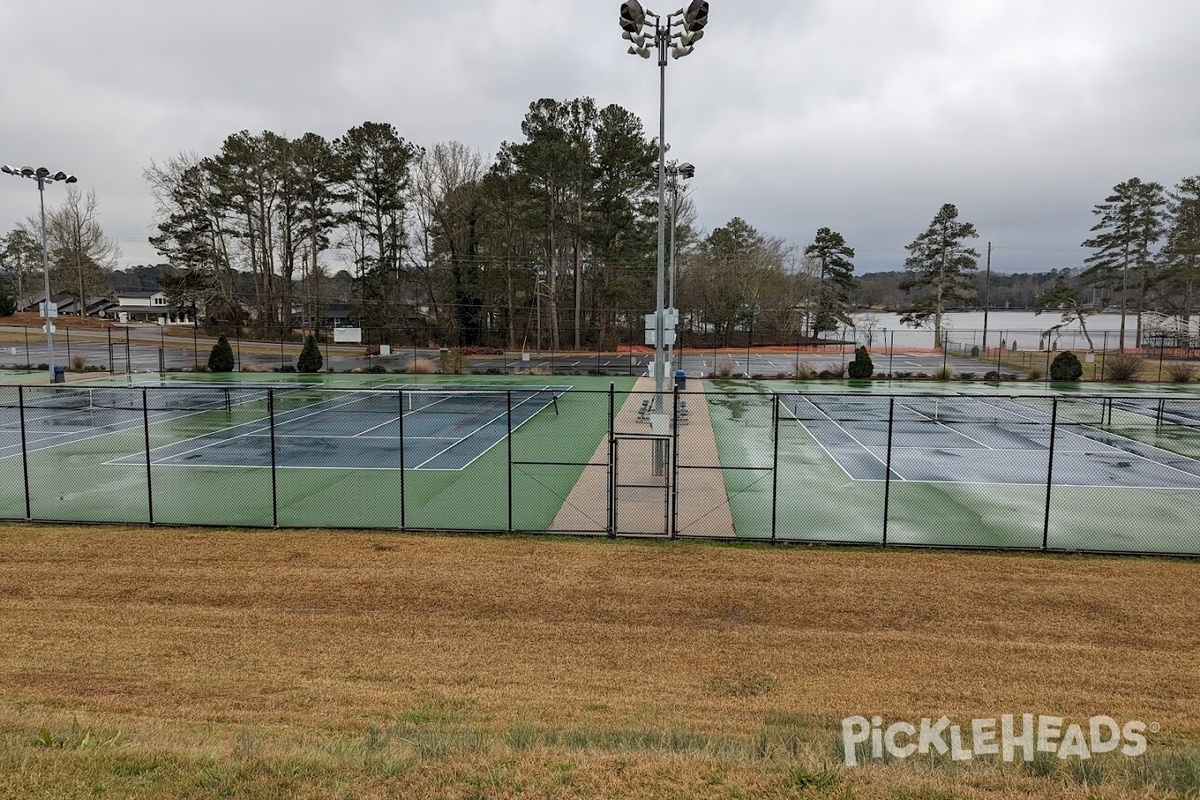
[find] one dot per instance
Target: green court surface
(817, 500)
(74, 481)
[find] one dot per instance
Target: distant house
(147, 307)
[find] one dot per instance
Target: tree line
(551, 241)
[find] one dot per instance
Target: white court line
(1109, 446)
(856, 441)
(477, 430)
(944, 425)
(168, 416)
(820, 444)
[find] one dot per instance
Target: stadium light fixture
(674, 33)
(43, 176)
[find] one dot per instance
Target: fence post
(508, 418)
(28, 358)
(673, 530)
(1050, 472)
(237, 335)
(110, 350)
(195, 346)
(612, 443)
(1103, 350)
(999, 355)
(887, 476)
(68, 332)
(774, 466)
(274, 486)
(146, 436)
(24, 450)
(400, 419)
(891, 354)
(128, 355)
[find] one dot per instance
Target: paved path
(641, 509)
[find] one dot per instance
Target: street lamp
(42, 176)
(677, 33)
(675, 172)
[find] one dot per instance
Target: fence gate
(641, 491)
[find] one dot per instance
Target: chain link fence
(1083, 472)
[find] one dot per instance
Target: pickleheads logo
(1005, 736)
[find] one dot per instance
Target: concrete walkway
(641, 508)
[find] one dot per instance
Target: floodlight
(633, 16)
(680, 52)
(696, 16)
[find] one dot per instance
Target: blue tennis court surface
(980, 440)
(444, 428)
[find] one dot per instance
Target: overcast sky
(861, 115)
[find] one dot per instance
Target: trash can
(975, 351)
(681, 379)
(60, 373)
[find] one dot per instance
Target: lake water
(1025, 328)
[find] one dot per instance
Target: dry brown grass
(421, 366)
(200, 662)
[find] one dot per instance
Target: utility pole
(987, 294)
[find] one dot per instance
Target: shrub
(453, 363)
(861, 367)
(1035, 374)
(421, 366)
(8, 305)
(1066, 367)
(966, 376)
(376, 369)
(725, 368)
(79, 363)
(944, 374)
(310, 357)
(992, 376)
(803, 371)
(1122, 368)
(221, 357)
(1178, 372)
(287, 368)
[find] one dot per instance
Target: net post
(24, 451)
(146, 439)
(887, 475)
(400, 419)
(1050, 472)
(274, 484)
(508, 420)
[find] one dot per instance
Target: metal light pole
(675, 171)
(42, 176)
(675, 33)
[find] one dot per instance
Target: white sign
(53, 308)
(347, 335)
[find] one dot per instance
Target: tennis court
(443, 428)
(350, 451)
(991, 440)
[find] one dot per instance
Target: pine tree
(310, 357)
(1130, 223)
(221, 357)
(939, 261)
(832, 254)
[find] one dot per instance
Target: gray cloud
(864, 115)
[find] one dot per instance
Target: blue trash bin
(60, 373)
(681, 379)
